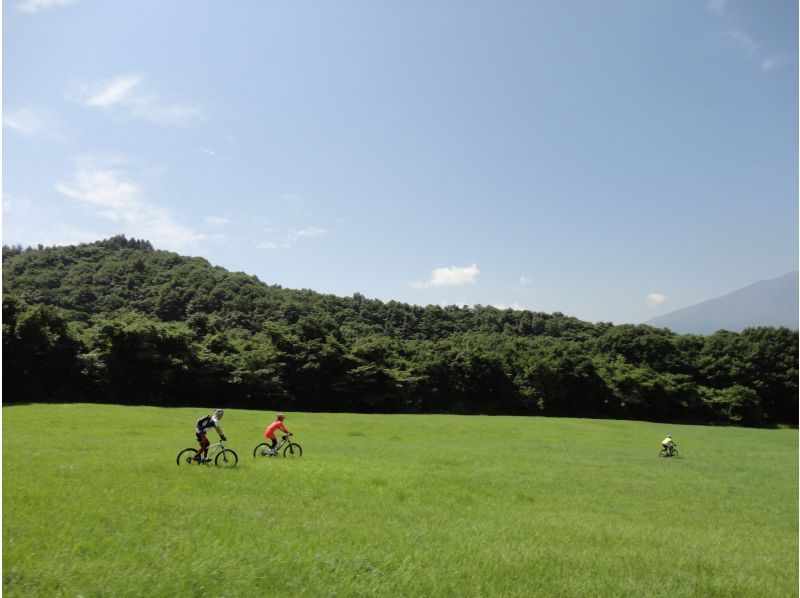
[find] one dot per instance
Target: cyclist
(668, 444)
(269, 433)
(204, 424)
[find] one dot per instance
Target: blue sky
(609, 160)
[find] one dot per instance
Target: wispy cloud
(656, 299)
(114, 92)
(34, 6)
(130, 96)
(307, 232)
(717, 6)
(291, 237)
(217, 221)
(24, 121)
(525, 280)
(452, 276)
(743, 39)
(29, 224)
(774, 62)
(272, 245)
(109, 194)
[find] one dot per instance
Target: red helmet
(281, 416)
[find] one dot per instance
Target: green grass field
(394, 505)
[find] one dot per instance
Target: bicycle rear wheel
(226, 458)
(186, 457)
(261, 450)
(293, 451)
(662, 453)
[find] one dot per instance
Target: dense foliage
(121, 321)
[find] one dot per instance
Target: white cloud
(114, 92)
(23, 121)
(774, 62)
(717, 6)
(108, 194)
(208, 152)
(525, 280)
(23, 225)
(270, 245)
(291, 237)
(307, 232)
(217, 221)
(452, 276)
(515, 306)
(128, 95)
(656, 299)
(34, 6)
(743, 39)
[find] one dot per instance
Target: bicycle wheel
(674, 452)
(662, 453)
(186, 456)
(226, 458)
(261, 450)
(293, 451)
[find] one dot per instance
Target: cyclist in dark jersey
(203, 425)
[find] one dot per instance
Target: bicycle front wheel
(226, 458)
(261, 450)
(293, 451)
(186, 457)
(674, 452)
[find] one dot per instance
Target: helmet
(281, 416)
(669, 435)
(219, 411)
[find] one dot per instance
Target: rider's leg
(274, 443)
(201, 438)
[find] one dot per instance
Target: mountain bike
(290, 449)
(222, 457)
(670, 451)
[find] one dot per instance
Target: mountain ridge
(772, 302)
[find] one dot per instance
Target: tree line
(119, 321)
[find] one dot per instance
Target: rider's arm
(221, 434)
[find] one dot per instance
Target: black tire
(226, 458)
(261, 450)
(662, 453)
(185, 457)
(674, 452)
(293, 451)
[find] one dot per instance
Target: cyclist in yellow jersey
(667, 443)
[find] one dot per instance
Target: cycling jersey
(270, 431)
(207, 423)
(667, 441)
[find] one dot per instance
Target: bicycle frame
(213, 449)
(280, 445)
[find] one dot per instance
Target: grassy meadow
(394, 505)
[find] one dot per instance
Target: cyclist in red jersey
(269, 433)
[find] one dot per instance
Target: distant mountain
(765, 303)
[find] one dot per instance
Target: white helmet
(219, 411)
(669, 435)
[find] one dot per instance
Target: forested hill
(118, 321)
